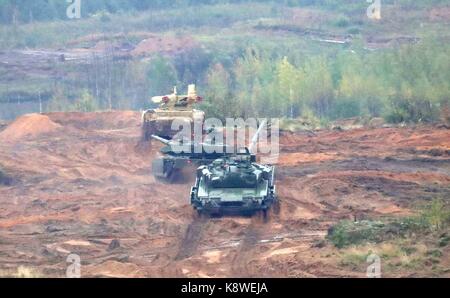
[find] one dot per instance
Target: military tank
(171, 107)
(172, 161)
(234, 184)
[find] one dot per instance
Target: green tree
(85, 103)
(162, 76)
(318, 88)
(360, 90)
(289, 80)
(220, 103)
(58, 101)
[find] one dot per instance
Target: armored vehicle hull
(159, 121)
(234, 185)
(170, 162)
(171, 108)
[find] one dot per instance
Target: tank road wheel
(200, 214)
(147, 131)
(266, 215)
(163, 170)
(248, 214)
(261, 216)
(276, 206)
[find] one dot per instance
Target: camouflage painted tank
(172, 162)
(234, 184)
(171, 107)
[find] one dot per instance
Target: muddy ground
(79, 184)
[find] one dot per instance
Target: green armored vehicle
(234, 184)
(171, 162)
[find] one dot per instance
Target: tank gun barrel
(161, 140)
(255, 138)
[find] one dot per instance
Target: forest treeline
(238, 76)
(407, 84)
(411, 83)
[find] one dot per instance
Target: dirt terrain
(79, 184)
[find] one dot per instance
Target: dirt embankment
(81, 186)
(29, 126)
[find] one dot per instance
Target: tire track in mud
(240, 261)
(255, 235)
(191, 240)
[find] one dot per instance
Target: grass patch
(21, 272)
(396, 256)
(414, 244)
(354, 258)
(347, 233)
(306, 123)
(433, 217)
(444, 240)
(436, 215)
(341, 22)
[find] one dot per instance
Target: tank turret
(171, 107)
(234, 184)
